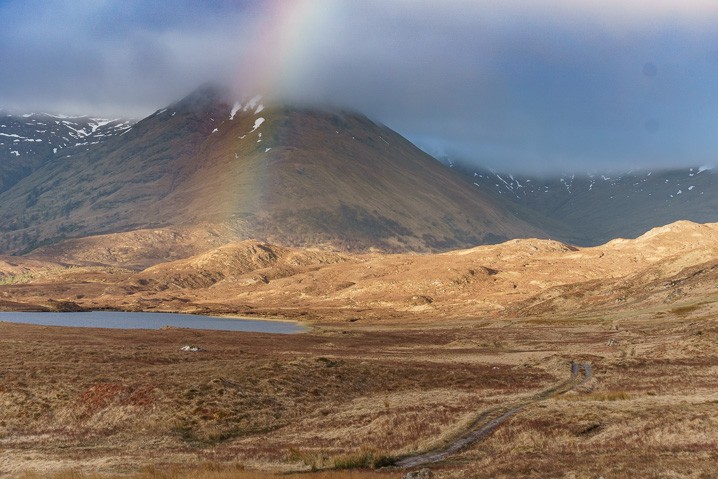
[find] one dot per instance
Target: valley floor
(349, 394)
(405, 352)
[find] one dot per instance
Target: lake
(126, 320)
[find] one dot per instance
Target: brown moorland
(514, 279)
(404, 352)
(120, 402)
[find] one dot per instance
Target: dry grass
(517, 279)
(209, 471)
(365, 458)
(344, 400)
(598, 396)
(686, 309)
(98, 401)
(611, 439)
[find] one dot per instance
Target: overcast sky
(524, 86)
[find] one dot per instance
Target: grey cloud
(539, 86)
(114, 58)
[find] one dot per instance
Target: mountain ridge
(286, 174)
(591, 209)
(29, 141)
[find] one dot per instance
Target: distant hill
(291, 175)
(593, 209)
(672, 265)
(31, 140)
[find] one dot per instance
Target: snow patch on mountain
(257, 123)
(237, 106)
(42, 134)
(252, 103)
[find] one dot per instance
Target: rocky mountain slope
(593, 209)
(29, 141)
(287, 175)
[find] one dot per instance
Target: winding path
(492, 418)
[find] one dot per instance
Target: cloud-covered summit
(531, 86)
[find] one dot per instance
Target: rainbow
(280, 48)
(270, 66)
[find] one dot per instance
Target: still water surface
(125, 320)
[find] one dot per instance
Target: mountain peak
(289, 175)
(204, 97)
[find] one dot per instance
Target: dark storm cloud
(124, 57)
(538, 91)
(539, 86)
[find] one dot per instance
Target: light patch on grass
(208, 471)
(598, 396)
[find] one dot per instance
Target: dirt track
(489, 420)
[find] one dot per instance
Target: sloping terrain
(593, 209)
(289, 175)
(523, 277)
(235, 260)
(134, 250)
(406, 352)
(480, 280)
(31, 140)
(361, 393)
